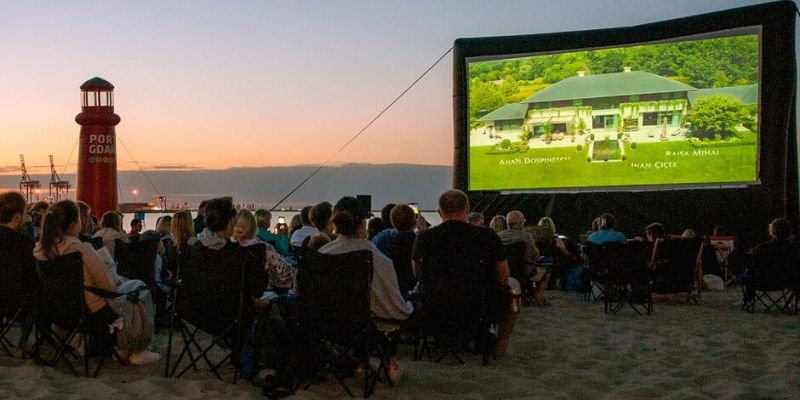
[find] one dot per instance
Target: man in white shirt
(307, 230)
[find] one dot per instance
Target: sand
(570, 350)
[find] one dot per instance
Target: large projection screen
(673, 105)
(681, 112)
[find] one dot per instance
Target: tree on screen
(718, 115)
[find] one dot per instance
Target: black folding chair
(136, 260)
(515, 252)
(621, 269)
(456, 306)
(675, 265)
(333, 318)
(773, 278)
(400, 254)
(214, 295)
(62, 303)
(17, 282)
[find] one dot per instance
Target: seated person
(782, 253)
(551, 244)
(398, 242)
(655, 231)
(306, 230)
(111, 230)
(60, 230)
(606, 232)
(281, 275)
(136, 229)
(514, 234)
(476, 218)
(317, 240)
(387, 303)
(455, 239)
(280, 241)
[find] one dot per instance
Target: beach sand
(571, 350)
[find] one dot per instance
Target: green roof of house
(747, 94)
(608, 85)
(508, 111)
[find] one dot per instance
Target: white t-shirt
(301, 234)
(386, 301)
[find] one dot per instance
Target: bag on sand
(573, 280)
(713, 282)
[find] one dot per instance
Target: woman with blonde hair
(281, 275)
(498, 223)
(181, 228)
(60, 229)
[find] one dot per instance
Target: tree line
(707, 63)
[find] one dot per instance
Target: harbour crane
(59, 189)
(27, 186)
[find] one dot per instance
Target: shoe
(144, 357)
(395, 371)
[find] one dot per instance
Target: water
(150, 218)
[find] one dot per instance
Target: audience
(349, 217)
(386, 217)
(305, 231)
(60, 229)
(655, 231)
(514, 234)
(279, 241)
(455, 238)
(200, 221)
(772, 261)
(18, 247)
(279, 272)
(111, 230)
(398, 242)
(498, 223)
(375, 226)
(86, 222)
(476, 218)
(606, 232)
(136, 229)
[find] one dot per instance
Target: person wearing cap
(386, 302)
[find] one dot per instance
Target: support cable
(352, 139)
(139, 166)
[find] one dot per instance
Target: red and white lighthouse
(97, 154)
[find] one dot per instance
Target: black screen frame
(777, 63)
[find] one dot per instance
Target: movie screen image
(679, 113)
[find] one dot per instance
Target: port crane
(59, 189)
(27, 186)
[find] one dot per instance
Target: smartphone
(414, 207)
(281, 220)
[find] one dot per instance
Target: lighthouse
(97, 154)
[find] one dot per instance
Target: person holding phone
(280, 240)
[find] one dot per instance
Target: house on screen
(635, 99)
(747, 94)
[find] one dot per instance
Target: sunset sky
(213, 84)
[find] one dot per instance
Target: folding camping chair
(17, 279)
(401, 259)
(724, 246)
(515, 252)
(214, 296)
(773, 278)
(61, 302)
(456, 303)
(621, 270)
(675, 265)
(333, 318)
